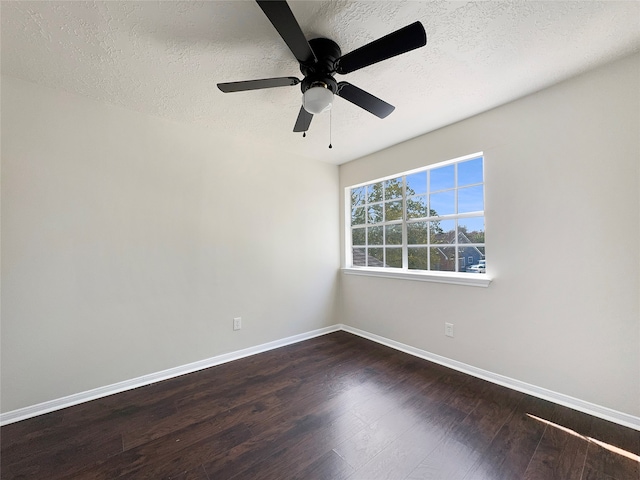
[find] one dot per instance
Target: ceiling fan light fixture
(317, 99)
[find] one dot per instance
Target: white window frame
(459, 278)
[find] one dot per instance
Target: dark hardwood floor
(334, 407)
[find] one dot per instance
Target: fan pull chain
(304, 134)
(330, 117)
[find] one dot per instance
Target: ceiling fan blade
(401, 41)
(258, 84)
(303, 121)
(281, 16)
(362, 99)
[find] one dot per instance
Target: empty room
(320, 240)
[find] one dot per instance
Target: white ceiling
(165, 58)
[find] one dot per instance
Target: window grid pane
(429, 220)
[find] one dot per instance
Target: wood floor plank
(285, 422)
(333, 395)
(467, 396)
(510, 452)
(329, 466)
(615, 435)
(196, 474)
(212, 407)
(591, 474)
(465, 444)
(29, 430)
(371, 440)
(301, 446)
(402, 414)
(562, 451)
(617, 452)
(210, 400)
(605, 461)
(145, 408)
(167, 457)
(285, 427)
(333, 407)
(405, 452)
(59, 458)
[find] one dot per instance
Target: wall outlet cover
(448, 329)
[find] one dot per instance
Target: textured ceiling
(164, 59)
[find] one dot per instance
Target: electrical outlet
(448, 329)
(237, 323)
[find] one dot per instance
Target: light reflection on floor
(611, 448)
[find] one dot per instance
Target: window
(425, 220)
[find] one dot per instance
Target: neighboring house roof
(447, 239)
(444, 240)
(359, 259)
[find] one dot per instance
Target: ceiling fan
(320, 59)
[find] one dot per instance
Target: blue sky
(442, 187)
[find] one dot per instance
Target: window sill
(468, 279)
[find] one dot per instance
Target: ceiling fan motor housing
(321, 72)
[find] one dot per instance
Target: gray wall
(129, 243)
(563, 241)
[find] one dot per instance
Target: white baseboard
(555, 397)
(571, 402)
(76, 398)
